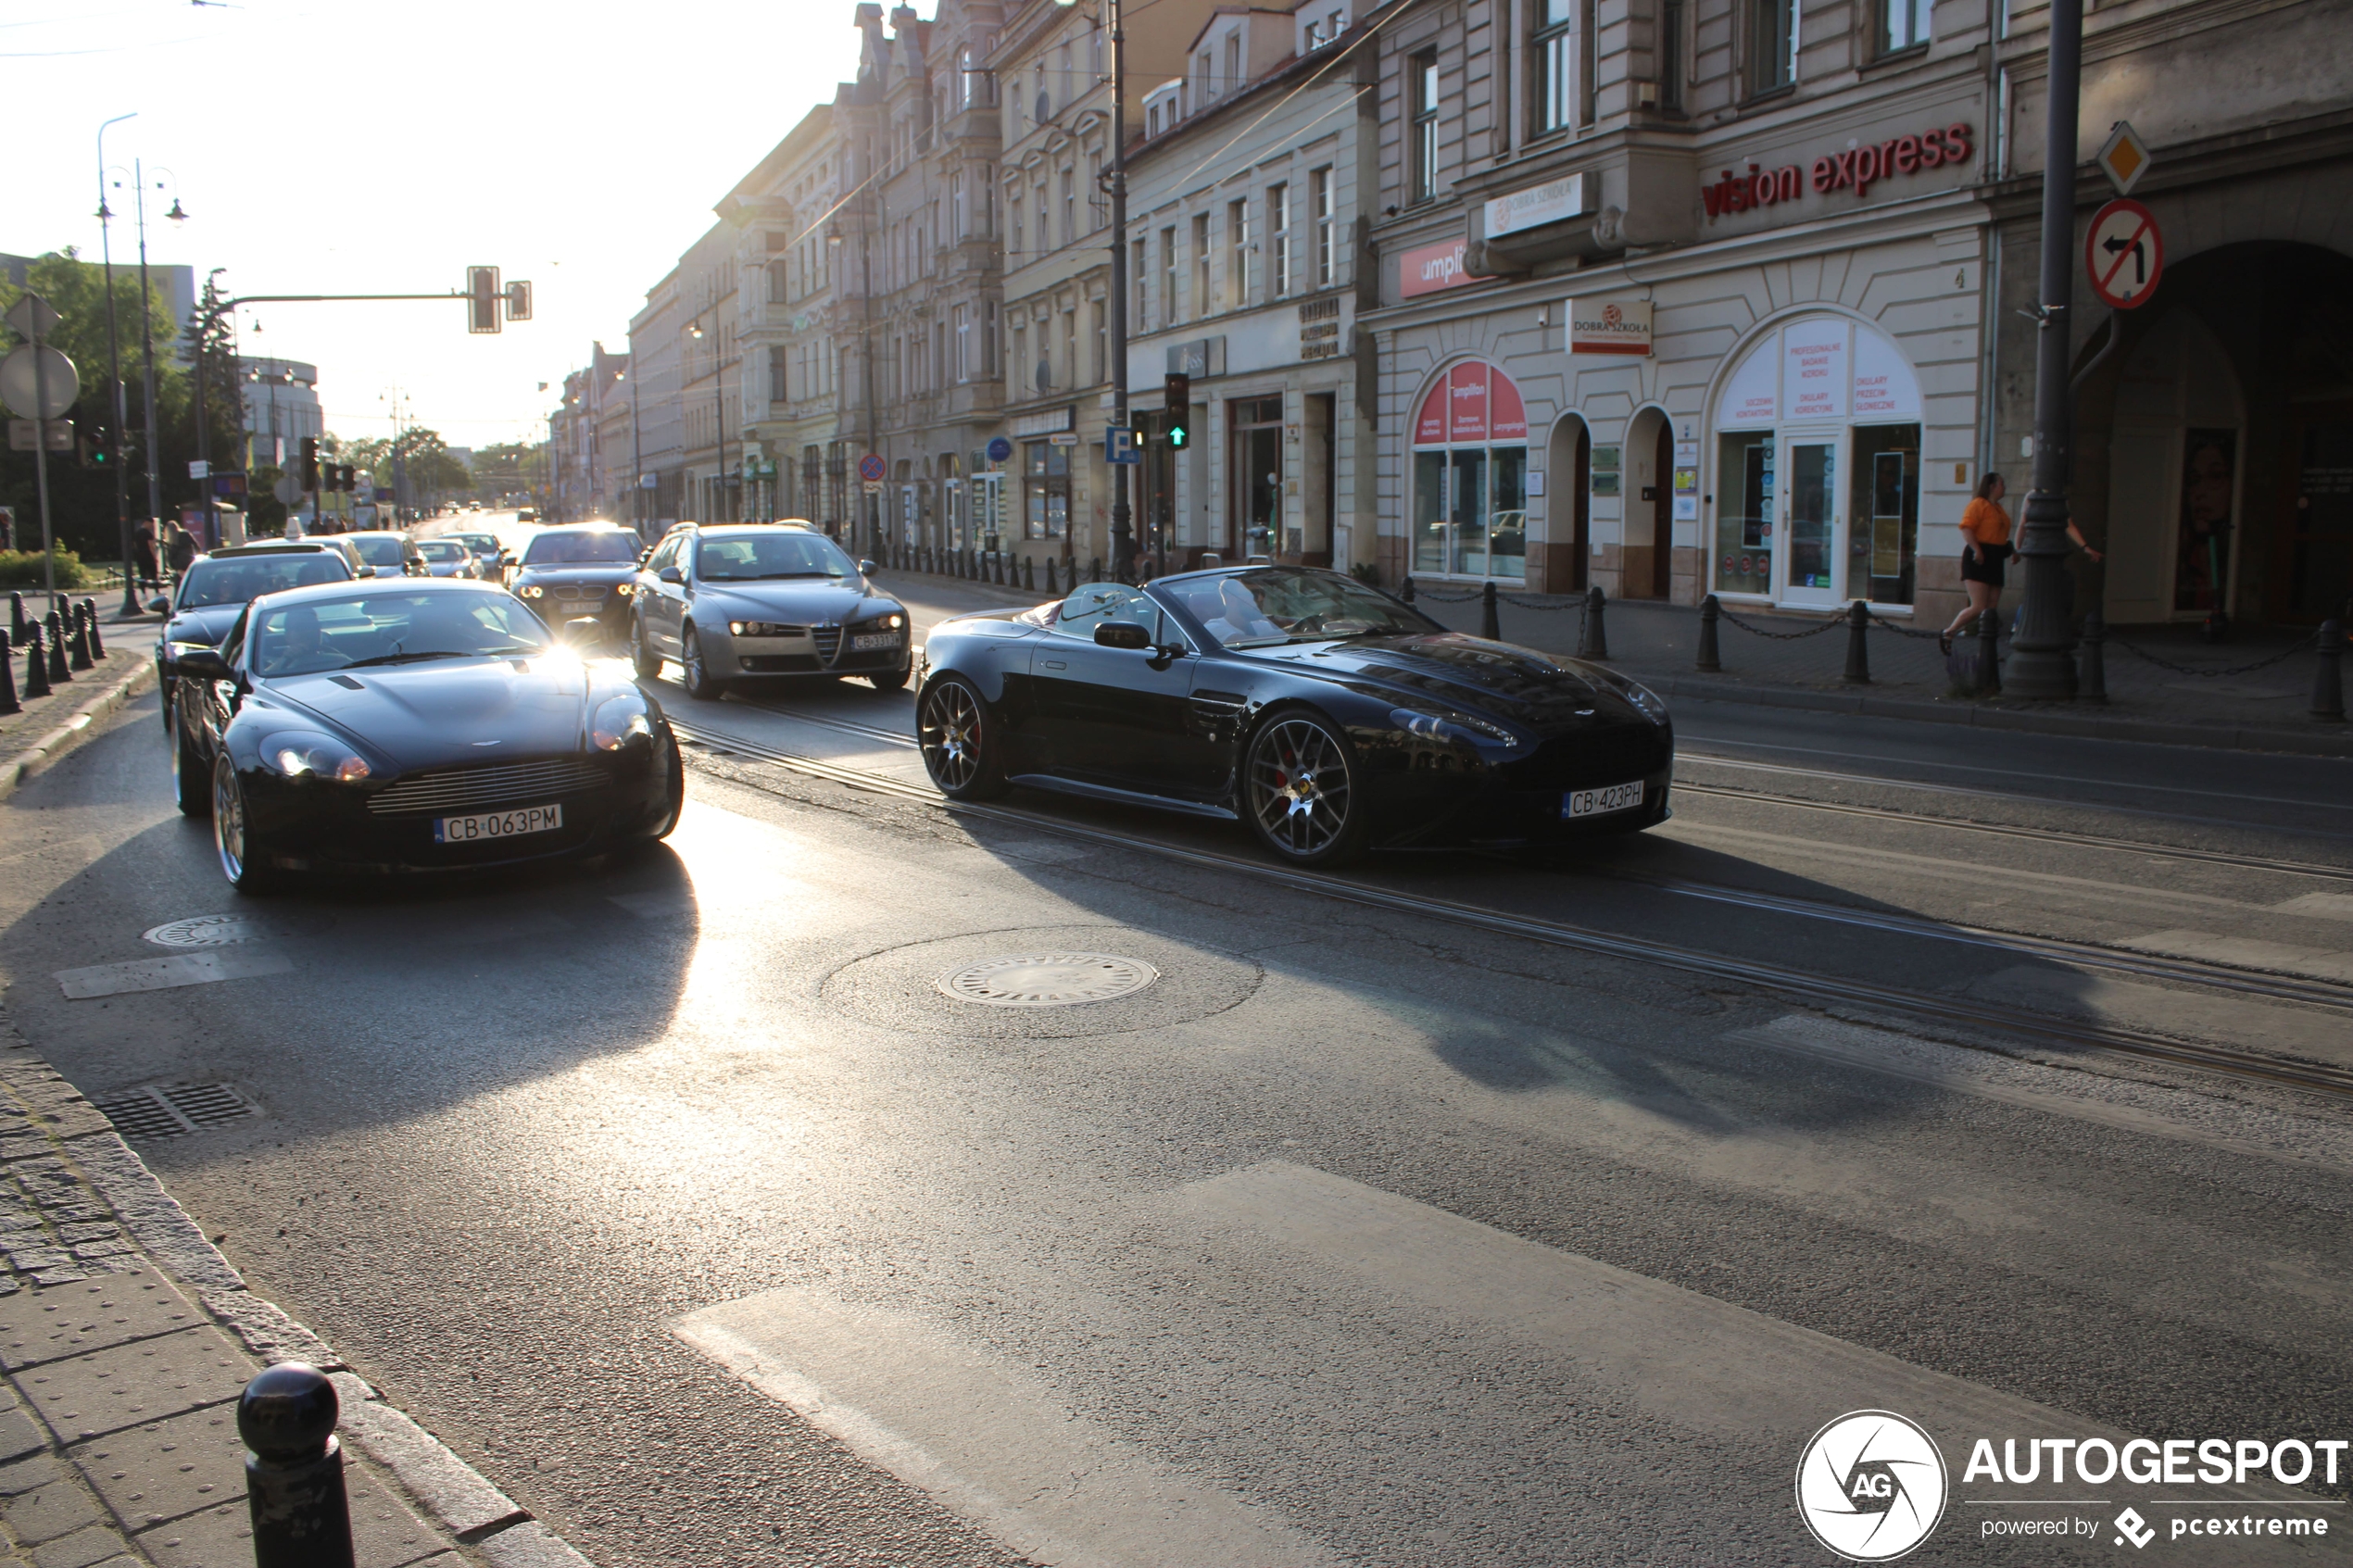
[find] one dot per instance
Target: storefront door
(2320, 530)
(1256, 427)
(1813, 528)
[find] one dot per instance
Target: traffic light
(519, 301)
(342, 477)
(97, 449)
(310, 463)
(1177, 397)
(482, 299)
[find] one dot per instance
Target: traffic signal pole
(1123, 542)
(114, 374)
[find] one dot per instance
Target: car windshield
(379, 549)
(232, 581)
(741, 557)
(343, 633)
(480, 544)
(1286, 605)
(588, 548)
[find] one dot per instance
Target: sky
(350, 148)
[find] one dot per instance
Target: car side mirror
(869, 567)
(1123, 634)
(203, 664)
(159, 605)
(671, 574)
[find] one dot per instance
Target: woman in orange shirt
(1986, 545)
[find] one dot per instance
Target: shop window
(1886, 506)
(1254, 435)
(1470, 477)
(1046, 490)
(1744, 512)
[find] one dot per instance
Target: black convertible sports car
(1326, 715)
(414, 723)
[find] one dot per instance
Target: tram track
(1809, 987)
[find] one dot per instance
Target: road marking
(2246, 953)
(163, 974)
(986, 1441)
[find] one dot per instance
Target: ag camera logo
(1872, 1485)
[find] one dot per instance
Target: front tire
(893, 680)
(190, 778)
(701, 684)
(643, 656)
(959, 741)
(1300, 790)
(242, 860)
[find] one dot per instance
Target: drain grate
(1048, 980)
(175, 1111)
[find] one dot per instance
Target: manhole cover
(1048, 980)
(208, 931)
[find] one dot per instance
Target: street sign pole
(41, 454)
(33, 316)
(2042, 653)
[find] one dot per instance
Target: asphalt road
(681, 1198)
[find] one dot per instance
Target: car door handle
(1053, 664)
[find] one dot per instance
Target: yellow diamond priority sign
(2124, 158)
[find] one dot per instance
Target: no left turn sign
(2124, 254)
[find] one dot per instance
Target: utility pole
(114, 375)
(1123, 543)
(2041, 656)
(866, 345)
(147, 347)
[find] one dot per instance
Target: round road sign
(43, 376)
(2124, 254)
(870, 467)
(999, 449)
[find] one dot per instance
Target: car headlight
(1646, 700)
(307, 754)
(620, 720)
(530, 591)
(178, 648)
(762, 629)
(624, 589)
(1450, 726)
(891, 622)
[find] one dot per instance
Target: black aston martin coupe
(1327, 716)
(413, 725)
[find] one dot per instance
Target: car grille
(576, 598)
(462, 789)
(1616, 754)
(828, 641)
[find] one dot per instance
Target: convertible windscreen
(603, 547)
(394, 629)
(234, 582)
(745, 557)
(1262, 608)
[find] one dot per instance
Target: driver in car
(306, 648)
(1236, 616)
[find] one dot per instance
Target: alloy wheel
(949, 734)
(690, 662)
(1299, 786)
(229, 820)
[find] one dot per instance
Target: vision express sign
(1856, 169)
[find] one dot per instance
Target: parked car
(745, 603)
(1324, 714)
(215, 589)
(345, 728)
(585, 570)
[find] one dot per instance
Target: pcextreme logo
(1872, 1485)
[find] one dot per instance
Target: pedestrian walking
(179, 548)
(1985, 546)
(142, 556)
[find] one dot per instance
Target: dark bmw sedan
(416, 725)
(590, 569)
(215, 589)
(1325, 715)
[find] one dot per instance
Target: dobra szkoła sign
(1856, 168)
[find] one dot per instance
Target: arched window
(1470, 476)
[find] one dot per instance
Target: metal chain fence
(2305, 646)
(1779, 637)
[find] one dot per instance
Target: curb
(74, 730)
(2317, 742)
(449, 1491)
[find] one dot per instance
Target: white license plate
(1596, 802)
(498, 824)
(873, 641)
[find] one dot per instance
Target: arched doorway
(1647, 553)
(2173, 475)
(1470, 476)
(1569, 506)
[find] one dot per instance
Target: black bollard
(2328, 683)
(1094, 568)
(36, 663)
(90, 618)
(1595, 642)
(16, 621)
(1488, 625)
(1029, 573)
(1859, 652)
(1709, 613)
(55, 625)
(1000, 570)
(1406, 590)
(78, 638)
(293, 1470)
(2090, 679)
(1989, 653)
(8, 702)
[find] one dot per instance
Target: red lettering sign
(1432, 267)
(1467, 403)
(1855, 168)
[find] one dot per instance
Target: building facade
(281, 407)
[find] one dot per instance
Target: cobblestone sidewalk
(125, 1339)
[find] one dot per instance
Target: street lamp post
(2041, 656)
(114, 373)
(148, 339)
(1123, 543)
